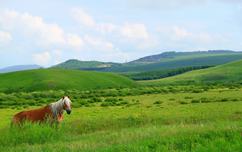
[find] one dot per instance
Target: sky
(48, 32)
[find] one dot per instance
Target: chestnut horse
(52, 112)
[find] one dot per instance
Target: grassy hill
(46, 79)
(179, 62)
(84, 65)
(222, 74)
(158, 74)
(180, 55)
(163, 61)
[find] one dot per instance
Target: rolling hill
(19, 68)
(163, 61)
(230, 73)
(55, 79)
(85, 65)
(175, 55)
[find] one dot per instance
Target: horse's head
(67, 104)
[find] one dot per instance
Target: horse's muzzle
(68, 111)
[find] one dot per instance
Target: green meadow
(57, 79)
(226, 74)
(176, 118)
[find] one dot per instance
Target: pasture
(143, 119)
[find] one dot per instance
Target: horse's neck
(57, 107)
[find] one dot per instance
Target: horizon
(9, 66)
(47, 33)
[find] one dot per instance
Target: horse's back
(32, 115)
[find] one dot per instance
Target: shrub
(188, 97)
(112, 100)
(183, 102)
(224, 100)
(158, 102)
(195, 101)
(205, 100)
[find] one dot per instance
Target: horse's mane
(57, 107)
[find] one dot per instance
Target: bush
(183, 102)
(224, 100)
(195, 101)
(205, 100)
(158, 102)
(112, 100)
(188, 97)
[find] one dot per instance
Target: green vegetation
(195, 111)
(157, 122)
(173, 63)
(84, 65)
(227, 74)
(160, 62)
(55, 79)
(162, 73)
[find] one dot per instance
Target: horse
(52, 112)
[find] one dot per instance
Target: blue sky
(49, 32)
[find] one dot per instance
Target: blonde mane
(57, 107)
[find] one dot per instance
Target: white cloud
(43, 58)
(5, 37)
(180, 33)
(134, 31)
(33, 26)
(106, 27)
(82, 17)
(36, 29)
(75, 41)
(98, 43)
(131, 31)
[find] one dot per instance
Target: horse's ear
(68, 97)
(63, 97)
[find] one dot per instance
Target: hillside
(46, 79)
(175, 55)
(222, 74)
(179, 62)
(19, 68)
(160, 62)
(84, 65)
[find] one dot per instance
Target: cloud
(131, 31)
(5, 37)
(106, 27)
(184, 38)
(74, 41)
(39, 31)
(98, 43)
(33, 26)
(42, 58)
(134, 31)
(82, 17)
(180, 33)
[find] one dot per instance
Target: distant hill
(180, 62)
(55, 79)
(175, 55)
(19, 68)
(223, 74)
(85, 65)
(161, 62)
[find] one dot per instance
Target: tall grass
(31, 134)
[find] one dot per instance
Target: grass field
(230, 73)
(56, 79)
(209, 120)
